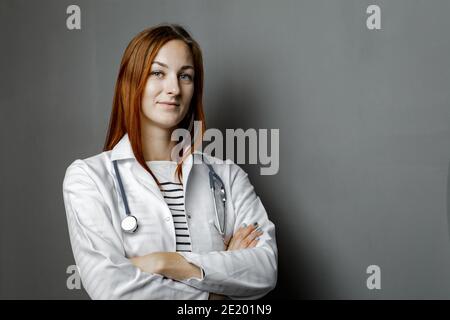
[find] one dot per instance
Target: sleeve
(241, 274)
(98, 251)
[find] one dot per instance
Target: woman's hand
(245, 237)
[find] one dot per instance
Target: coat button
(167, 219)
(189, 216)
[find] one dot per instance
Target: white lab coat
(95, 209)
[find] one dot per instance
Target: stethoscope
(129, 224)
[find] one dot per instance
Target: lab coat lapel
(186, 169)
(123, 151)
(146, 179)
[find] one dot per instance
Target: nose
(172, 86)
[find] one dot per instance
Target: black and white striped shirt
(172, 191)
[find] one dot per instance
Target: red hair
(133, 74)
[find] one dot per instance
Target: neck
(156, 143)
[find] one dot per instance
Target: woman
(139, 228)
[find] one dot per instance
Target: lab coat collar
(123, 149)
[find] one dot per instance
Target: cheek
(152, 89)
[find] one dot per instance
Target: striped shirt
(172, 192)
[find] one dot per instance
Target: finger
(257, 230)
(244, 234)
(249, 239)
(232, 243)
(256, 233)
(245, 243)
(249, 229)
(240, 230)
(253, 243)
(239, 235)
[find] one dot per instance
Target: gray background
(364, 123)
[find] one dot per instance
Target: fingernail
(244, 225)
(259, 229)
(257, 239)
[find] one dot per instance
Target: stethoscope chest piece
(129, 224)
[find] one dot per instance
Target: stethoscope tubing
(122, 190)
(212, 178)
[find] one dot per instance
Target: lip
(167, 103)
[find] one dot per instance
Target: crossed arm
(108, 274)
(174, 266)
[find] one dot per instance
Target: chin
(164, 121)
(167, 124)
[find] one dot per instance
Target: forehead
(175, 53)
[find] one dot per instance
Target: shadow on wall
(236, 105)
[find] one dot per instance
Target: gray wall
(364, 121)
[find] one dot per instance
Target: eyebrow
(166, 66)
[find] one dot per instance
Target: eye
(186, 77)
(157, 74)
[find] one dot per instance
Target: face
(170, 86)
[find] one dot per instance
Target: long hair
(134, 71)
